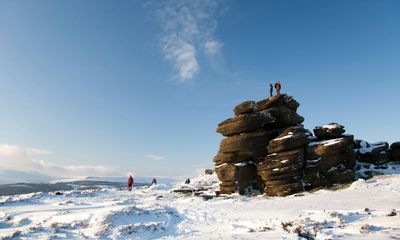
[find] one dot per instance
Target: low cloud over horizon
(22, 159)
(154, 157)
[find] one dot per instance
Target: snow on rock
(373, 147)
(203, 181)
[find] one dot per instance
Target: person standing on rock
(271, 90)
(130, 183)
(278, 88)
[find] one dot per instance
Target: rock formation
(330, 158)
(266, 148)
(265, 141)
(244, 157)
(374, 153)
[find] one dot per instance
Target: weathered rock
(340, 175)
(244, 123)
(281, 172)
(395, 145)
(245, 107)
(208, 172)
(394, 155)
(222, 158)
(372, 148)
(335, 175)
(329, 147)
(227, 189)
(284, 189)
(377, 159)
(291, 138)
(328, 161)
(329, 131)
(237, 177)
(284, 116)
(278, 100)
(226, 172)
(248, 145)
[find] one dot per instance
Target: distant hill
(11, 177)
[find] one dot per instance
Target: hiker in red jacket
(130, 183)
(278, 88)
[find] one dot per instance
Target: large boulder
(335, 175)
(282, 171)
(282, 190)
(248, 145)
(291, 138)
(236, 177)
(244, 123)
(395, 145)
(226, 172)
(284, 116)
(222, 158)
(394, 155)
(278, 100)
(329, 131)
(329, 147)
(328, 161)
(372, 148)
(245, 107)
(375, 153)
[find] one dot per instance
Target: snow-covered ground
(364, 210)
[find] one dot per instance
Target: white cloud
(212, 47)
(155, 157)
(17, 158)
(188, 28)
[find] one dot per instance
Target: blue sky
(106, 88)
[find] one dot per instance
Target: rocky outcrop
(282, 169)
(374, 153)
(258, 137)
(265, 147)
(330, 158)
(329, 131)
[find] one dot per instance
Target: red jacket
(130, 180)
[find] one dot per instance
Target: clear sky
(110, 87)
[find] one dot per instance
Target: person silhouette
(278, 88)
(271, 90)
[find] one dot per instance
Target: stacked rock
(394, 152)
(330, 158)
(244, 145)
(374, 153)
(281, 169)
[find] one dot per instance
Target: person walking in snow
(130, 183)
(187, 181)
(271, 90)
(278, 88)
(154, 182)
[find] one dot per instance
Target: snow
(289, 135)
(368, 148)
(326, 142)
(331, 126)
(362, 210)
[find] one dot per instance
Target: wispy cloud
(155, 157)
(188, 29)
(212, 47)
(17, 158)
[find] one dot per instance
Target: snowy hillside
(366, 209)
